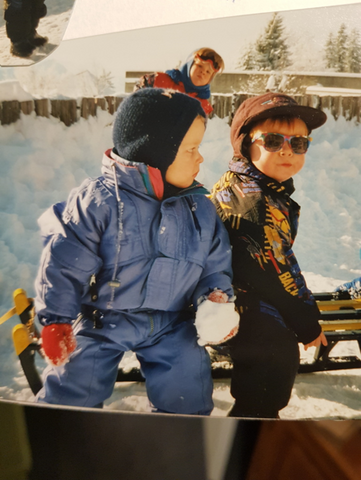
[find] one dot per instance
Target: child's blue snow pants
(177, 370)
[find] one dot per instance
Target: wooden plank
(334, 325)
(101, 103)
(10, 112)
(65, 110)
(88, 107)
(137, 74)
(42, 107)
(27, 107)
(330, 305)
(111, 104)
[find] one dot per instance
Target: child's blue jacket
(145, 254)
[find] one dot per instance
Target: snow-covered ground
(42, 159)
(53, 26)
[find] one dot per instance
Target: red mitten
(58, 342)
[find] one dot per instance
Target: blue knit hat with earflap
(150, 125)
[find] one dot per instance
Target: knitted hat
(150, 125)
(267, 106)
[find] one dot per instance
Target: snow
(12, 90)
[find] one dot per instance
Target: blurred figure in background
(193, 78)
(22, 19)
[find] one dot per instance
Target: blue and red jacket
(163, 80)
(144, 253)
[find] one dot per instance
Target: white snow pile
(42, 160)
(12, 90)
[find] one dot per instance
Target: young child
(193, 78)
(270, 137)
(135, 251)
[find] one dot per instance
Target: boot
(38, 40)
(22, 49)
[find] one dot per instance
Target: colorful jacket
(143, 253)
(163, 80)
(262, 222)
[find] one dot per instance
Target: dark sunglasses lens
(299, 144)
(273, 142)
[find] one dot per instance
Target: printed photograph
(180, 215)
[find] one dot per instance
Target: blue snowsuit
(152, 260)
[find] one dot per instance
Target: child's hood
(136, 176)
(183, 75)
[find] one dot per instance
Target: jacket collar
(140, 177)
(245, 167)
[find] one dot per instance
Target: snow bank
(12, 90)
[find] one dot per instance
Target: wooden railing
(69, 111)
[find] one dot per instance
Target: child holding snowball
(142, 256)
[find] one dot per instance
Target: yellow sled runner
(25, 337)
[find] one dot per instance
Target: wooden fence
(70, 111)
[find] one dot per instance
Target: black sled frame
(340, 321)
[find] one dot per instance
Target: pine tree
(330, 52)
(353, 57)
(271, 48)
(341, 49)
(270, 51)
(247, 61)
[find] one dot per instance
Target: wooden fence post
(118, 101)
(65, 110)
(111, 104)
(88, 107)
(10, 112)
(27, 107)
(42, 107)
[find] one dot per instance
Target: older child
(135, 251)
(270, 137)
(193, 78)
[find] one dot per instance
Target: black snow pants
(266, 359)
(22, 18)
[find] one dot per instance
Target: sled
(25, 337)
(340, 321)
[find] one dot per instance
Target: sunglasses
(273, 142)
